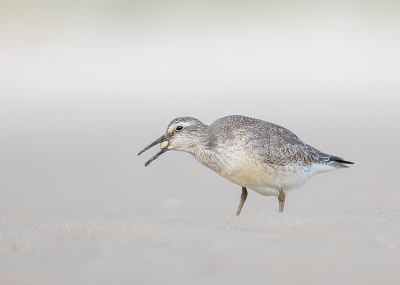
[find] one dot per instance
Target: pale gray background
(85, 85)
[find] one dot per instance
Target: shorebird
(251, 153)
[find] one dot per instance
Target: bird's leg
(242, 200)
(281, 199)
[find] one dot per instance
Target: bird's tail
(331, 160)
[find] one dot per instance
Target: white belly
(264, 179)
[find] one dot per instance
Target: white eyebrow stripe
(183, 124)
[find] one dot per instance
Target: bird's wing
(277, 145)
(269, 142)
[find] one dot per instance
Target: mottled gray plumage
(272, 143)
(255, 154)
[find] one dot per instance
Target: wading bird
(251, 153)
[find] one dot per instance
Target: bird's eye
(178, 128)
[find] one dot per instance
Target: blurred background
(85, 85)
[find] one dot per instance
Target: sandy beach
(288, 248)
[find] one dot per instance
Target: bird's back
(268, 143)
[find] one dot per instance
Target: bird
(252, 153)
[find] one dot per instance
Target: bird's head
(182, 134)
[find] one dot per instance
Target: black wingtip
(345, 161)
(339, 159)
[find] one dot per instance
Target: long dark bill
(156, 142)
(156, 156)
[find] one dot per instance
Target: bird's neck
(201, 143)
(204, 149)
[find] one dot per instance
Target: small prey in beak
(164, 144)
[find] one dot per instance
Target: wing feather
(268, 142)
(278, 145)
